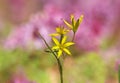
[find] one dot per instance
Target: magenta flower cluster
(97, 24)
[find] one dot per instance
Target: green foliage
(38, 75)
(89, 68)
(9, 61)
(34, 63)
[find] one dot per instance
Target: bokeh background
(95, 56)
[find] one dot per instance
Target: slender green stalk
(58, 60)
(61, 37)
(73, 37)
(60, 70)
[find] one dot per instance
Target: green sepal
(76, 26)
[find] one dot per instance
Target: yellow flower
(74, 23)
(61, 47)
(60, 31)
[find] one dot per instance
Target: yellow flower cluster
(60, 31)
(74, 23)
(61, 46)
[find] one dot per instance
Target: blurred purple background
(98, 33)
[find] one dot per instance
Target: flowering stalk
(58, 60)
(61, 46)
(74, 25)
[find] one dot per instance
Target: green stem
(58, 60)
(73, 37)
(60, 70)
(61, 37)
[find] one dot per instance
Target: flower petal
(68, 44)
(58, 29)
(71, 17)
(73, 21)
(54, 34)
(67, 51)
(81, 18)
(59, 53)
(55, 41)
(76, 26)
(63, 40)
(55, 47)
(69, 25)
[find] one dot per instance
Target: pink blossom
(22, 80)
(96, 26)
(54, 15)
(98, 16)
(44, 22)
(23, 35)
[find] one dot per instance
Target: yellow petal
(55, 41)
(73, 21)
(76, 26)
(59, 53)
(69, 25)
(55, 47)
(58, 29)
(71, 17)
(68, 44)
(63, 39)
(67, 51)
(77, 23)
(81, 18)
(65, 31)
(54, 34)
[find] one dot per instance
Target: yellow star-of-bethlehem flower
(60, 31)
(74, 23)
(61, 46)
